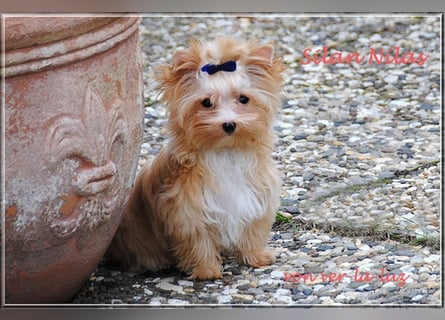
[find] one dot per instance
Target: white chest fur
(231, 194)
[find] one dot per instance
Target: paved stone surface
(359, 149)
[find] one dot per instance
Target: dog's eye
(243, 99)
(207, 103)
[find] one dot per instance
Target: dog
(213, 189)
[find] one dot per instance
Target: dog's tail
(136, 246)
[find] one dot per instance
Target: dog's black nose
(229, 127)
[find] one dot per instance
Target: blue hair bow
(228, 66)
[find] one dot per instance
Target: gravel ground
(360, 151)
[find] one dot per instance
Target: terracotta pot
(73, 128)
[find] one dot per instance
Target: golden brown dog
(214, 187)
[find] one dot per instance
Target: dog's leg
(197, 253)
(252, 246)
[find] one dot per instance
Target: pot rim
(69, 49)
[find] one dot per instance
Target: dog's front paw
(206, 272)
(260, 259)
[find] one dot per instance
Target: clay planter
(73, 128)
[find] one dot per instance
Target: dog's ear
(264, 69)
(187, 60)
(185, 63)
(179, 57)
(261, 59)
(265, 52)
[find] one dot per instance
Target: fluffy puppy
(214, 187)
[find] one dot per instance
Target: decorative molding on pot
(88, 138)
(69, 50)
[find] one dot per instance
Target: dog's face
(224, 94)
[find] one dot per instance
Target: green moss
(281, 218)
(375, 232)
